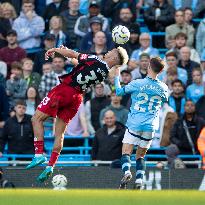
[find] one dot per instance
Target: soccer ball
(59, 188)
(120, 34)
(59, 181)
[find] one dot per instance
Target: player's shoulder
(163, 85)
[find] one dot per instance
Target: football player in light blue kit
(147, 95)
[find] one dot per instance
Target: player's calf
(126, 164)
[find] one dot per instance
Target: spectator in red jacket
(12, 52)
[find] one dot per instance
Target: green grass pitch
(99, 197)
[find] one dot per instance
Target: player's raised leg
(60, 127)
(37, 122)
(140, 167)
(126, 164)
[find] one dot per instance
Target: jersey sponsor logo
(83, 57)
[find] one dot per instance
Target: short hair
(28, 2)
(188, 8)
(177, 81)
(157, 64)
(179, 10)
(180, 35)
(144, 55)
(172, 54)
(197, 69)
(123, 56)
(26, 59)
(20, 102)
(16, 65)
(125, 71)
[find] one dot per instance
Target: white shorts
(141, 139)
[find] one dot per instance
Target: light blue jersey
(194, 92)
(147, 95)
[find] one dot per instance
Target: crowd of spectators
(29, 28)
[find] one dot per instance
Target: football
(59, 181)
(120, 34)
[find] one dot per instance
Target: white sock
(128, 171)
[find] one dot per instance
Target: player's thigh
(60, 126)
(39, 116)
(127, 148)
(141, 152)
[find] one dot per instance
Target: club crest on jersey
(83, 56)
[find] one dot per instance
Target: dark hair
(37, 98)
(20, 102)
(16, 65)
(157, 64)
(126, 71)
(188, 8)
(180, 35)
(177, 81)
(144, 55)
(181, 10)
(171, 53)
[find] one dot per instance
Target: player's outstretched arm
(64, 51)
(118, 89)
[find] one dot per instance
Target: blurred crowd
(29, 28)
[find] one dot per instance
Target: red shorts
(62, 101)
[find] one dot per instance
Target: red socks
(53, 159)
(39, 147)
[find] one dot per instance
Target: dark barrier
(108, 178)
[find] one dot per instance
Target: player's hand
(50, 53)
(2, 123)
(117, 71)
(63, 47)
(85, 134)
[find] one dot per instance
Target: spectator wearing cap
(87, 40)
(157, 17)
(145, 47)
(53, 9)
(172, 60)
(29, 26)
(186, 63)
(181, 41)
(18, 132)
(111, 9)
(133, 42)
(180, 26)
(49, 42)
(16, 86)
(82, 25)
(140, 71)
(55, 28)
(12, 52)
(70, 16)
(200, 37)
